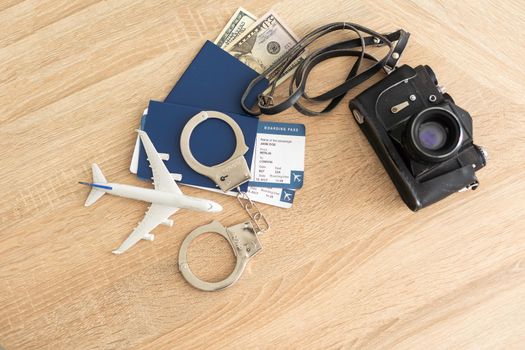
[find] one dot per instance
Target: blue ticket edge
(290, 129)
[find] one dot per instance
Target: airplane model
(166, 198)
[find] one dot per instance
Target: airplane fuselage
(159, 197)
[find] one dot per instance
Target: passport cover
(216, 80)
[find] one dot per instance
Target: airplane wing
(162, 178)
(155, 215)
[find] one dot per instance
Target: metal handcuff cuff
(228, 175)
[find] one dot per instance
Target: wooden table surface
(349, 266)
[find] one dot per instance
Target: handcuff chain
(258, 219)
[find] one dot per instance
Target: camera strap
(396, 42)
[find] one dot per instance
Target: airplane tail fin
(98, 177)
(95, 193)
(93, 196)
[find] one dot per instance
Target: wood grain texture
(349, 266)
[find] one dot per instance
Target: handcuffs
(232, 172)
(244, 242)
(228, 175)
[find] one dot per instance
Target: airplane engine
(149, 237)
(167, 222)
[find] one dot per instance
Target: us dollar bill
(260, 46)
(238, 23)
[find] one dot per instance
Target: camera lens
(435, 134)
(432, 135)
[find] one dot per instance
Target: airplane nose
(215, 207)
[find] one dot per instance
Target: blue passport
(214, 80)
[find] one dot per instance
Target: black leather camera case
(383, 112)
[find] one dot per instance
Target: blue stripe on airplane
(95, 185)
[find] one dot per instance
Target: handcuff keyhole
(210, 257)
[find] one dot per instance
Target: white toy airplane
(166, 198)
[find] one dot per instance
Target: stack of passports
(214, 80)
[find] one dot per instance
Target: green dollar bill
(238, 23)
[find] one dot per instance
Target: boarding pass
(278, 158)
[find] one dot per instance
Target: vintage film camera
(423, 139)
